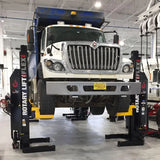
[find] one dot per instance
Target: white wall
(11, 61)
(1, 62)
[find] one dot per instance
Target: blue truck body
(48, 16)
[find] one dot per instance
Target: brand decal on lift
(24, 84)
(143, 86)
(15, 84)
(137, 103)
(137, 80)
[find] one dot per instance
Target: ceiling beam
(119, 6)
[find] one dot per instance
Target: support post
(20, 109)
(136, 122)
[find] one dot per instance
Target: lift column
(20, 109)
(140, 100)
(138, 119)
(24, 97)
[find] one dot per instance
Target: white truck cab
(73, 64)
(74, 51)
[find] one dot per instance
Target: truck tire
(112, 105)
(97, 110)
(117, 104)
(46, 103)
(31, 93)
(39, 71)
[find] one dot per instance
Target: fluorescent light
(98, 4)
(2, 20)
(121, 43)
(4, 36)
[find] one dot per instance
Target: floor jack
(20, 109)
(79, 113)
(137, 115)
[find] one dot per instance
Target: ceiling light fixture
(5, 36)
(98, 4)
(2, 20)
(121, 43)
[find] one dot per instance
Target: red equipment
(3, 103)
(154, 111)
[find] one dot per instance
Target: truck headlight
(58, 66)
(126, 68)
(49, 64)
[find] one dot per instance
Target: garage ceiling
(122, 14)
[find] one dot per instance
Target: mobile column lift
(137, 113)
(20, 110)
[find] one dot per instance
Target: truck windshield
(58, 34)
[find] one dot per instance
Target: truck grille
(84, 57)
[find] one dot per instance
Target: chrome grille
(84, 57)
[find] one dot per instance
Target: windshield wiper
(49, 50)
(52, 45)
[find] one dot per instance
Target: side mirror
(30, 40)
(48, 50)
(134, 55)
(116, 39)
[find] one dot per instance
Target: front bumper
(52, 74)
(62, 88)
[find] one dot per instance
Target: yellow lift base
(129, 113)
(37, 112)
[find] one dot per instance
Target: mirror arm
(111, 32)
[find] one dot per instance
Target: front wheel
(46, 103)
(112, 105)
(97, 110)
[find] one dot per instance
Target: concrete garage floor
(78, 140)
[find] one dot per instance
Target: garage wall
(1, 61)
(11, 61)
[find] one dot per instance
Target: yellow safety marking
(39, 116)
(129, 113)
(77, 26)
(37, 112)
(31, 102)
(71, 25)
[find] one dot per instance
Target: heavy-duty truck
(71, 65)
